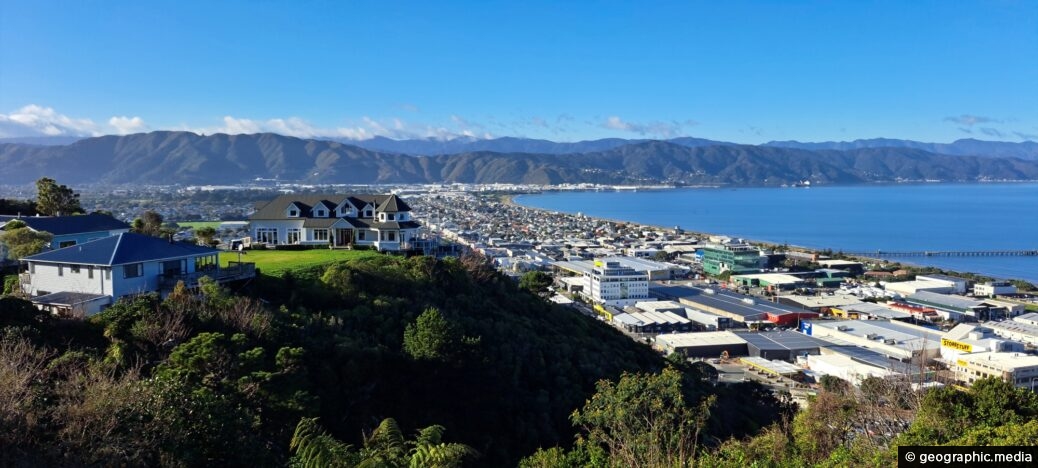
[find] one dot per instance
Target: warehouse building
(702, 344)
(1030, 318)
(820, 304)
(846, 368)
(958, 307)
(968, 338)
(958, 285)
(747, 310)
(782, 345)
(907, 288)
(1016, 331)
(708, 321)
(869, 311)
(894, 339)
(636, 321)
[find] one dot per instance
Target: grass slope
(277, 262)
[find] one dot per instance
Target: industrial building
(1018, 369)
(652, 322)
(907, 288)
(820, 304)
(656, 271)
(773, 367)
(708, 321)
(894, 339)
(994, 288)
(846, 368)
(738, 307)
(1023, 332)
(869, 311)
(1030, 318)
(968, 338)
(702, 344)
(958, 307)
(958, 285)
(736, 258)
(782, 345)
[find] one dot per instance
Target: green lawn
(277, 262)
(198, 224)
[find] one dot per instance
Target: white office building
(617, 285)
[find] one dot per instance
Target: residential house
(71, 230)
(84, 279)
(337, 221)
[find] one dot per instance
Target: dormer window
(381, 216)
(367, 213)
(322, 213)
(392, 216)
(293, 213)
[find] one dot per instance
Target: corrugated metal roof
(781, 340)
(121, 249)
(63, 225)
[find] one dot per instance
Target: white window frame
(293, 235)
(321, 234)
(268, 235)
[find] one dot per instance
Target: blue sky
(747, 72)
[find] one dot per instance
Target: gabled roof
(393, 204)
(63, 225)
(276, 208)
(121, 249)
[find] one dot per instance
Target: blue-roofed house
(72, 230)
(96, 273)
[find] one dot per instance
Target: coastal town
(780, 316)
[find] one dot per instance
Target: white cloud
(34, 120)
(127, 125)
(655, 128)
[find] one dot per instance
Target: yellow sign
(598, 263)
(962, 363)
(964, 347)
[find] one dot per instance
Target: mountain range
(166, 157)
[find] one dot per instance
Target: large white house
(381, 221)
(84, 279)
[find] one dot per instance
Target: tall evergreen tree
(56, 200)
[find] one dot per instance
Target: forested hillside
(166, 158)
(224, 377)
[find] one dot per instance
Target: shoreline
(510, 199)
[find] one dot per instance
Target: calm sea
(847, 218)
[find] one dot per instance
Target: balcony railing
(233, 272)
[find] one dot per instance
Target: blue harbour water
(866, 218)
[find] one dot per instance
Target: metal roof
(121, 249)
(63, 225)
(727, 301)
(945, 300)
(868, 356)
(67, 298)
(681, 340)
(781, 340)
(775, 367)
